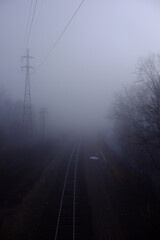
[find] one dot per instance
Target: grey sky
(95, 57)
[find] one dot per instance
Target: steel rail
(74, 193)
(63, 192)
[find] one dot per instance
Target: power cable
(60, 36)
(29, 33)
(27, 26)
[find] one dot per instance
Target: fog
(94, 59)
(79, 119)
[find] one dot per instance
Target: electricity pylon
(27, 108)
(43, 112)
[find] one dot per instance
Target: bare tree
(137, 111)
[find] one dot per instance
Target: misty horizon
(94, 59)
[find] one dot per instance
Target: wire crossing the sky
(27, 26)
(29, 33)
(60, 36)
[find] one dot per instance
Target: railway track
(68, 221)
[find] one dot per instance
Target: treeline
(10, 120)
(136, 112)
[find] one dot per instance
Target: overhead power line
(27, 26)
(60, 36)
(30, 28)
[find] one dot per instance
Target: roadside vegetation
(136, 115)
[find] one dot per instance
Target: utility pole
(43, 112)
(27, 108)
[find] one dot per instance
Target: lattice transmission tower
(43, 112)
(27, 108)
